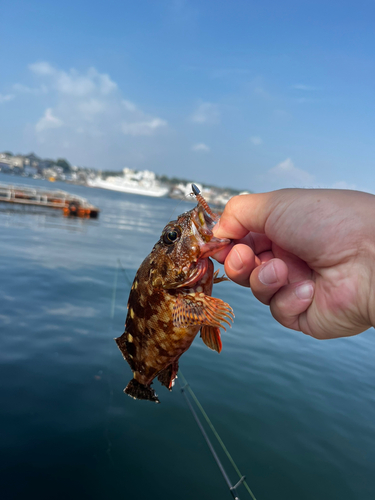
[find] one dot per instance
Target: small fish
(170, 301)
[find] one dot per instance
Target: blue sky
(250, 94)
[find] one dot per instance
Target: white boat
(143, 182)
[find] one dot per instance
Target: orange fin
(211, 337)
(200, 309)
(219, 279)
(167, 376)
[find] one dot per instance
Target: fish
(171, 301)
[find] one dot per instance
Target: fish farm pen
(71, 205)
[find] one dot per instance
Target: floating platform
(71, 205)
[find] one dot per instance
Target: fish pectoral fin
(211, 337)
(201, 309)
(219, 279)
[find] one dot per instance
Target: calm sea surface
(297, 415)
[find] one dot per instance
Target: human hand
(308, 254)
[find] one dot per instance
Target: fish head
(184, 247)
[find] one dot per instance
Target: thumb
(248, 212)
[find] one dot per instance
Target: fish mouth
(197, 274)
(203, 223)
(213, 246)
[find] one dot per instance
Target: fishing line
(242, 478)
(175, 208)
(114, 292)
(111, 352)
(124, 271)
(183, 389)
(232, 489)
(187, 197)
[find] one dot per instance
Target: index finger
(257, 242)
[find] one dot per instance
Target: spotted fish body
(170, 301)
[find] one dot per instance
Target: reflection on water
(30, 216)
(296, 414)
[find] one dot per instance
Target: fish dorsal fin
(200, 309)
(211, 337)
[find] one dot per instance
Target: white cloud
(48, 121)
(307, 88)
(87, 115)
(129, 105)
(106, 84)
(6, 97)
(24, 89)
(73, 82)
(90, 107)
(42, 68)
(256, 140)
(289, 175)
(142, 128)
(262, 93)
(200, 147)
(207, 112)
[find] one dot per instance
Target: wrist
(367, 254)
(369, 278)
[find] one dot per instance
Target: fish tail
(136, 390)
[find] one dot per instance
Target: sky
(254, 95)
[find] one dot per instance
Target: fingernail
(267, 275)
(235, 260)
(304, 291)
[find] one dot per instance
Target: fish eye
(171, 236)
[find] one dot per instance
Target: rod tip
(195, 189)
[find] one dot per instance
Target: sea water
(296, 414)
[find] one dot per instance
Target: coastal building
(144, 182)
(12, 161)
